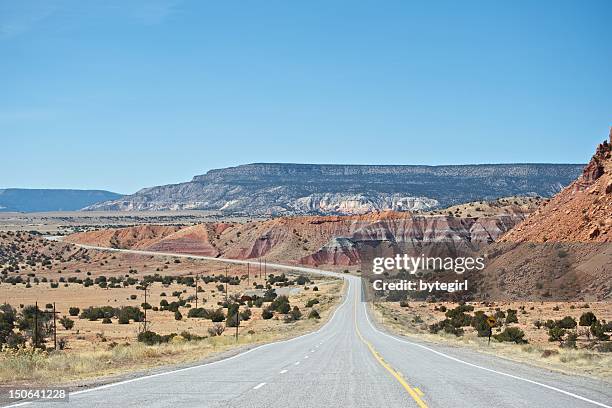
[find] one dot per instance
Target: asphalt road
(349, 362)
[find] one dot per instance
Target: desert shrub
(127, 313)
(314, 314)
(106, 320)
(312, 302)
(599, 332)
(281, 305)
(178, 315)
(149, 337)
(448, 326)
(266, 313)
(246, 314)
(258, 302)
(404, 303)
(293, 315)
(458, 317)
(67, 322)
(556, 333)
(198, 312)
(511, 316)
(269, 295)
(190, 336)
(217, 315)
(163, 303)
(587, 319)
(133, 297)
(74, 311)
(49, 306)
(570, 340)
(479, 323)
(216, 330)
(315, 289)
(146, 305)
(302, 280)
(511, 334)
(538, 324)
(567, 322)
(604, 347)
(94, 313)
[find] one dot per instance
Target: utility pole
(237, 320)
(146, 289)
(226, 268)
(54, 328)
(196, 288)
(265, 268)
(36, 325)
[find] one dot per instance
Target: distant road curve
(347, 363)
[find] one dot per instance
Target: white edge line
(279, 266)
(258, 386)
(550, 387)
(283, 371)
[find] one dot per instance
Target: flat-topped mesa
(596, 167)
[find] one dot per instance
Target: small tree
(266, 313)
(587, 319)
(178, 315)
(67, 322)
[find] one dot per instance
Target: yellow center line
(415, 393)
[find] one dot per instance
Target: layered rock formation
(582, 212)
(564, 249)
(300, 189)
(311, 240)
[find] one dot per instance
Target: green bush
(567, 322)
(511, 316)
(599, 332)
(587, 319)
(150, 338)
(74, 311)
(245, 314)
(178, 315)
(281, 305)
(556, 333)
(67, 322)
(511, 334)
(479, 323)
(266, 313)
(293, 315)
(312, 302)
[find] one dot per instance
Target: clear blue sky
(121, 95)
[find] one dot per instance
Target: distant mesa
(277, 189)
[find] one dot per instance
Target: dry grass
(38, 367)
(550, 356)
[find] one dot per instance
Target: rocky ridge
(266, 189)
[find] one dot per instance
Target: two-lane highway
(349, 362)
